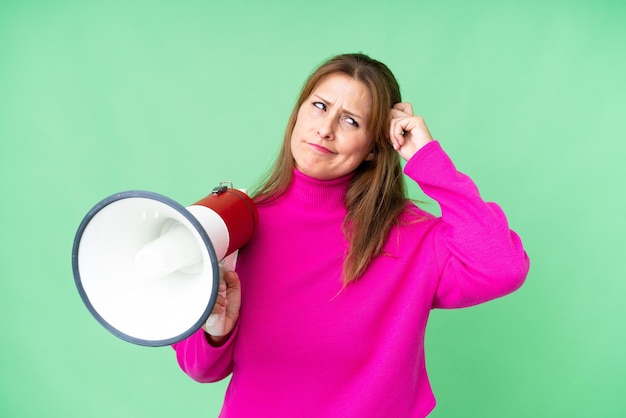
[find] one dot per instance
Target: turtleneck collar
(319, 195)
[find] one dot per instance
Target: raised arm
(479, 257)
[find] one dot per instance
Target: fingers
(407, 132)
(231, 279)
(399, 123)
(397, 128)
(222, 301)
(403, 107)
(229, 283)
(225, 312)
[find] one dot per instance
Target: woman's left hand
(407, 132)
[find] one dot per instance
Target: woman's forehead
(353, 95)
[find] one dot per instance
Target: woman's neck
(319, 195)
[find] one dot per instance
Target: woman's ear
(370, 156)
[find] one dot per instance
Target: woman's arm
(479, 257)
(202, 361)
(206, 357)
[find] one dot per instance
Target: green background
(104, 96)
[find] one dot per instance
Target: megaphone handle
(230, 261)
(216, 321)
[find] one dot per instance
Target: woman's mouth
(320, 148)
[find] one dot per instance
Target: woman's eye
(352, 122)
(319, 105)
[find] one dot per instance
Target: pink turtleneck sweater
(303, 348)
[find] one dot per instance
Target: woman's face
(330, 138)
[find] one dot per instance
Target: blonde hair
(376, 194)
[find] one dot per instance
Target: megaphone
(147, 268)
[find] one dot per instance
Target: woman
(327, 311)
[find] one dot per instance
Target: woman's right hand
(225, 313)
(407, 132)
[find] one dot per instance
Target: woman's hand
(225, 313)
(407, 132)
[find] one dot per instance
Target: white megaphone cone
(147, 268)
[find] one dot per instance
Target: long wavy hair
(377, 193)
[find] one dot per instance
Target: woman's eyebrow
(343, 108)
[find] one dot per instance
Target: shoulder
(412, 213)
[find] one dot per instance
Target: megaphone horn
(147, 268)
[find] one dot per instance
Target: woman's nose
(325, 129)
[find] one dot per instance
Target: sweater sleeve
(203, 362)
(478, 256)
